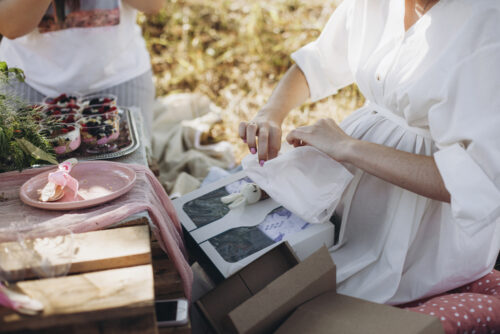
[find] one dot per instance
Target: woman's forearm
(292, 91)
(413, 172)
(146, 6)
(416, 173)
(19, 17)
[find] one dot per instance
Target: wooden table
(111, 287)
(112, 284)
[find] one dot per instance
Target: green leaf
(36, 152)
(3, 66)
(18, 73)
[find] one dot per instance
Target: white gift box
(232, 238)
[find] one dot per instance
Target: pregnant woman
(425, 148)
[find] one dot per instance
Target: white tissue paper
(304, 180)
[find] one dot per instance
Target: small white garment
(304, 180)
(431, 90)
(80, 60)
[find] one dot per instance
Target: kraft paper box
(259, 297)
(226, 240)
(332, 312)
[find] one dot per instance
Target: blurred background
(235, 52)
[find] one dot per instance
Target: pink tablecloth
(146, 195)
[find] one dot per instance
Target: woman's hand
(268, 131)
(416, 173)
(325, 135)
(292, 91)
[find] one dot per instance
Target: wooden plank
(167, 283)
(91, 297)
(144, 324)
(98, 250)
(175, 330)
(139, 220)
(133, 325)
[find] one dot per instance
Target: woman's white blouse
(432, 90)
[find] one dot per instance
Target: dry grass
(235, 52)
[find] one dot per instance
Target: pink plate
(100, 182)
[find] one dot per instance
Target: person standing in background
(85, 47)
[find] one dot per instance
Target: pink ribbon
(62, 178)
(5, 301)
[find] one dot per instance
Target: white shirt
(433, 90)
(80, 60)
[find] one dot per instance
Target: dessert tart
(64, 137)
(99, 99)
(62, 100)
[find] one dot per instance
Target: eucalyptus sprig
(6, 73)
(21, 144)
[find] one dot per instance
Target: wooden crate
(167, 283)
(110, 288)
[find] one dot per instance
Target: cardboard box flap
(270, 266)
(265, 311)
(216, 304)
(337, 313)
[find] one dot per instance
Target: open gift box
(278, 293)
(225, 240)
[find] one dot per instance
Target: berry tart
(61, 119)
(64, 137)
(99, 99)
(62, 100)
(100, 130)
(99, 110)
(55, 110)
(55, 115)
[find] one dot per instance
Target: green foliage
(21, 146)
(6, 73)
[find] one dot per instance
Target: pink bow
(19, 302)
(62, 177)
(4, 299)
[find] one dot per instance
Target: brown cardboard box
(278, 284)
(266, 310)
(258, 298)
(335, 313)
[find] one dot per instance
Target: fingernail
(261, 163)
(253, 150)
(244, 140)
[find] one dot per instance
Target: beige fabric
(180, 121)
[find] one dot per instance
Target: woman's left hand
(325, 135)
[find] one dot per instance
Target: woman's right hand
(262, 134)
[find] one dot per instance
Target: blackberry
(94, 101)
